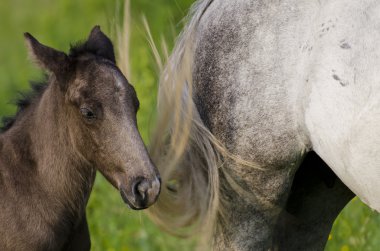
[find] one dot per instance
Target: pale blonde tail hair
(183, 149)
(123, 33)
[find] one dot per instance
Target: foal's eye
(87, 113)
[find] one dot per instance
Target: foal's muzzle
(142, 193)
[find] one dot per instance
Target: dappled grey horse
(82, 120)
(254, 91)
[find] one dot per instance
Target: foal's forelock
(119, 84)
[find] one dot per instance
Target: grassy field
(59, 23)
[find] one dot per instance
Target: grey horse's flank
(257, 102)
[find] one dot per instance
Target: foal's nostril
(142, 188)
(140, 191)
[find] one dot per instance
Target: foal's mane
(38, 88)
(23, 102)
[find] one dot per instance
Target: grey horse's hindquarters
(247, 108)
(266, 83)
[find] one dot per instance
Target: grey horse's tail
(184, 150)
(186, 153)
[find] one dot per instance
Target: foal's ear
(100, 44)
(47, 58)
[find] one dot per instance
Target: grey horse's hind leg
(316, 198)
(250, 213)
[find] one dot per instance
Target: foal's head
(99, 108)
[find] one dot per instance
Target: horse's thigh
(317, 197)
(250, 205)
(79, 239)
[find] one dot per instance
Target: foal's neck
(54, 143)
(62, 173)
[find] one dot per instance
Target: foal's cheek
(84, 138)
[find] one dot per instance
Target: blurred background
(58, 23)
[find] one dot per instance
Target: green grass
(58, 23)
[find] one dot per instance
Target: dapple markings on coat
(279, 84)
